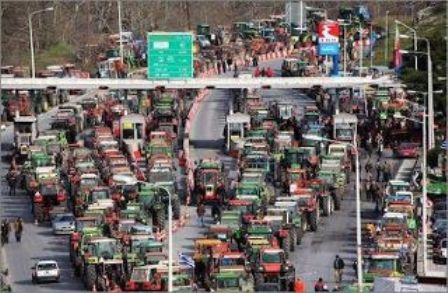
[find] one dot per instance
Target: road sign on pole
(170, 55)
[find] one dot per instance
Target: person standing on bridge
(11, 177)
(18, 228)
(338, 266)
(201, 212)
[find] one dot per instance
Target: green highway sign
(170, 55)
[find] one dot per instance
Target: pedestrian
(320, 286)
(380, 146)
(59, 159)
(255, 61)
(263, 72)
(18, 229)
(229, 62)
(201, 212)
(269, 72)
(11, 177)
(5, 231)
(387, 171)
(218, 66)
(236, 72)
(379, 171)
(338, 266)
(224, 66)
(299, 286)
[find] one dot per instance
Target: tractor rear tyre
(285, 244)
(326, 206)
(176, 208)
(299, 237)
(259, 280)
(158, 218)
(304, 223)
(90, 278)
(337, 202)
(312, 220)
(101, 284)
(293, 240)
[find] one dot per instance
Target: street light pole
(30, 26)
(371, 48)
(170, 240)
(361, 49)
(120, 30)
(386, 44)
(358, 217)
(425, 199)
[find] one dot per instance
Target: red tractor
(308, 203)
(209, 181)
(270, 266)
(50, 193)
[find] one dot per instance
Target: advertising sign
(170, 55)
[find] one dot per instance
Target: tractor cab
(25, 132)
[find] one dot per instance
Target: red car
(407, 150)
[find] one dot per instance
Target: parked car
(45, 270)
(63, 224)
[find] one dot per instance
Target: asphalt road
(38, 242)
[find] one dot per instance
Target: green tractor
(231, 282)
(102, 256)
(255, 192)
(155, 202)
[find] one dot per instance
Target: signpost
(328, 42)
(170, 55)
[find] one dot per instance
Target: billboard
(170, 55)
(328, 38)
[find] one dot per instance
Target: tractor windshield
(247, 191)
(105, 249)
(228, 283)
(274, 257)
(48, 190)
(160, 176)
(381, 264)
(88, 182)
(232, 262)
(210, 177)
(99, 194)
(81, 224)
(139, 275)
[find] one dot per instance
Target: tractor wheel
(312, 220)
(77, 269)
(176, 208)
(101, 284)
(293, 240)
(39, 213)
(159, 217)
(90, 278)
(304, 223)
(259, 280)
(285, 245)
(299, 237)
(326, 206)
(337, 202)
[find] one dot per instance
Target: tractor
(50, 193)
(271, 266)
(155, 202)
(209, 181)
(102, 257)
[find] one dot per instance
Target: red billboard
(328, 31)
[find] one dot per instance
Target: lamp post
(344, 24)
(170, 239)
(361, 49)
(358, 201)
(431, 136)
(30, 25)
(120, 30)
(414, 32)
(386, 44)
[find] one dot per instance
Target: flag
(185, 260)
(398, 61)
